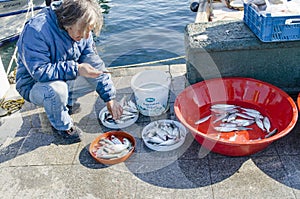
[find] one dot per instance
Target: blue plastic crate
(272, 29)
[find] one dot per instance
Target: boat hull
(11, 11)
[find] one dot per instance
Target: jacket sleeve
(104, 84)
(34, 53)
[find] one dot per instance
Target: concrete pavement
(36, 163)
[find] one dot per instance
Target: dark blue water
(138, 31)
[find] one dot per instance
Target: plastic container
(272, 28)
(151, 91)
(195, 101)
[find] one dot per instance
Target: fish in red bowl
(112, 147)
(236, 116)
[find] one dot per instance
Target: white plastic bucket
(3, 81)
(151, 91)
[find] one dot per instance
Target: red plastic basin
(195, 101)
(298, 101)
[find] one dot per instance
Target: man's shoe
(73, 134)
(75, 108)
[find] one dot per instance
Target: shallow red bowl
(298, 101)
(194, 103)
(120, 135)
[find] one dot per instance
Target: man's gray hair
(87, 12)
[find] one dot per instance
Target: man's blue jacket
(47, 53)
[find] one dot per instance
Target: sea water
(137, 32)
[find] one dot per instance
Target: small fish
(271, 133)
(244, 116)
(116, 148)
(168, 142)
(242, 122)
(220, 111)
(230, 129)
(223, 106)
(250, 110)
(254, 115)
(105, 71)
(220, 117)
(231, 117)
(115, 140)
(267, 124)
(203, 120)
(176, 132)
(225, 129)
(107, 141)
(155, 140)
(228, 125)
(162, 134)
(260, 124)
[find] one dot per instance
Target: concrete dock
(36, 163)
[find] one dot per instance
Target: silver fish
(271, 133)
(231, 117)
(260, 124)
(254, 115)
(242, 122)
(267, 124)
(223, 106)
(217, 110)
(229, 129)
(244, 116)
(162, 134)
(228, 125)
(220, 117)
(176, 132)
(155, 140)
(203, 120)
(168, 142)
(250, 110)
(107, 141)
(115, 140)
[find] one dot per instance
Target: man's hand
(86, 70)
(115, 109)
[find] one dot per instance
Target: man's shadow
(34, 132)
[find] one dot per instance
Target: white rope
(148, 63)
(14, 56)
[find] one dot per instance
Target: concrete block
(230, 49)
